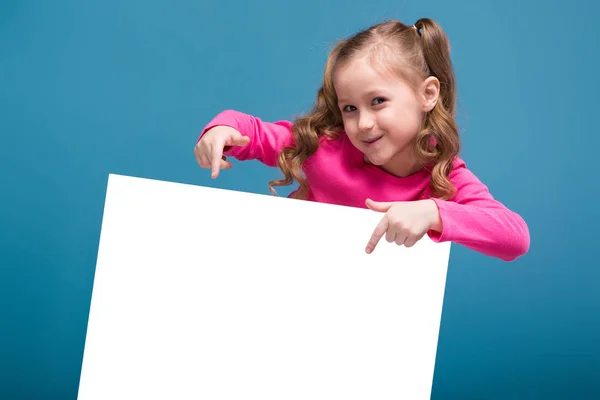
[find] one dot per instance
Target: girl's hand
(404, 222)
(209, 150)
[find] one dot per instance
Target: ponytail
(439, 123)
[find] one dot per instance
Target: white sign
(204, 293)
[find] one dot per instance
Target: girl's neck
(402, 165)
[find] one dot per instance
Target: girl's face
(382, 114)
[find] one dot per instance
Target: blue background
(124, 87)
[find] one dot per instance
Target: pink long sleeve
(478, 221)
(267, 139)
(338, 175)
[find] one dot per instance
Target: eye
(378, 100)
(349, 108)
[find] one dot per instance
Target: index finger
(215, 161)
(378, 233)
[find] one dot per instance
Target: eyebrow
(370, 93)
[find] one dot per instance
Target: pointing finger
(216, 158)
(378, 233)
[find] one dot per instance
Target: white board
(203, 293)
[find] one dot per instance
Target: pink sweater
(337, 174)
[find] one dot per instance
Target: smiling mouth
(372, 140)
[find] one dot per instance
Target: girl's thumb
(377, 206)
(240, 141)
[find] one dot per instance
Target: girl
(382, 128)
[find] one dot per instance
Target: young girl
(383, 129)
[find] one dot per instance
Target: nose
(366, 121)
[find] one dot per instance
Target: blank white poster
(204, 293)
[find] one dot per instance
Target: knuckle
(396, 223)
(379, 232)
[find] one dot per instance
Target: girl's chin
(376, 159)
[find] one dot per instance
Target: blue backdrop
(92, 88)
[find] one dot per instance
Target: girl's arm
(476, 220)
(267, 139)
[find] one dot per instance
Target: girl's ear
(430, 92)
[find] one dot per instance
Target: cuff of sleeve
(212, 125)
(446, 228)
(225, 118)
(227, 149)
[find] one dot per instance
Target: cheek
(349, 127)
(401, 121)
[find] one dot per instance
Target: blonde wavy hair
(414, 53)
